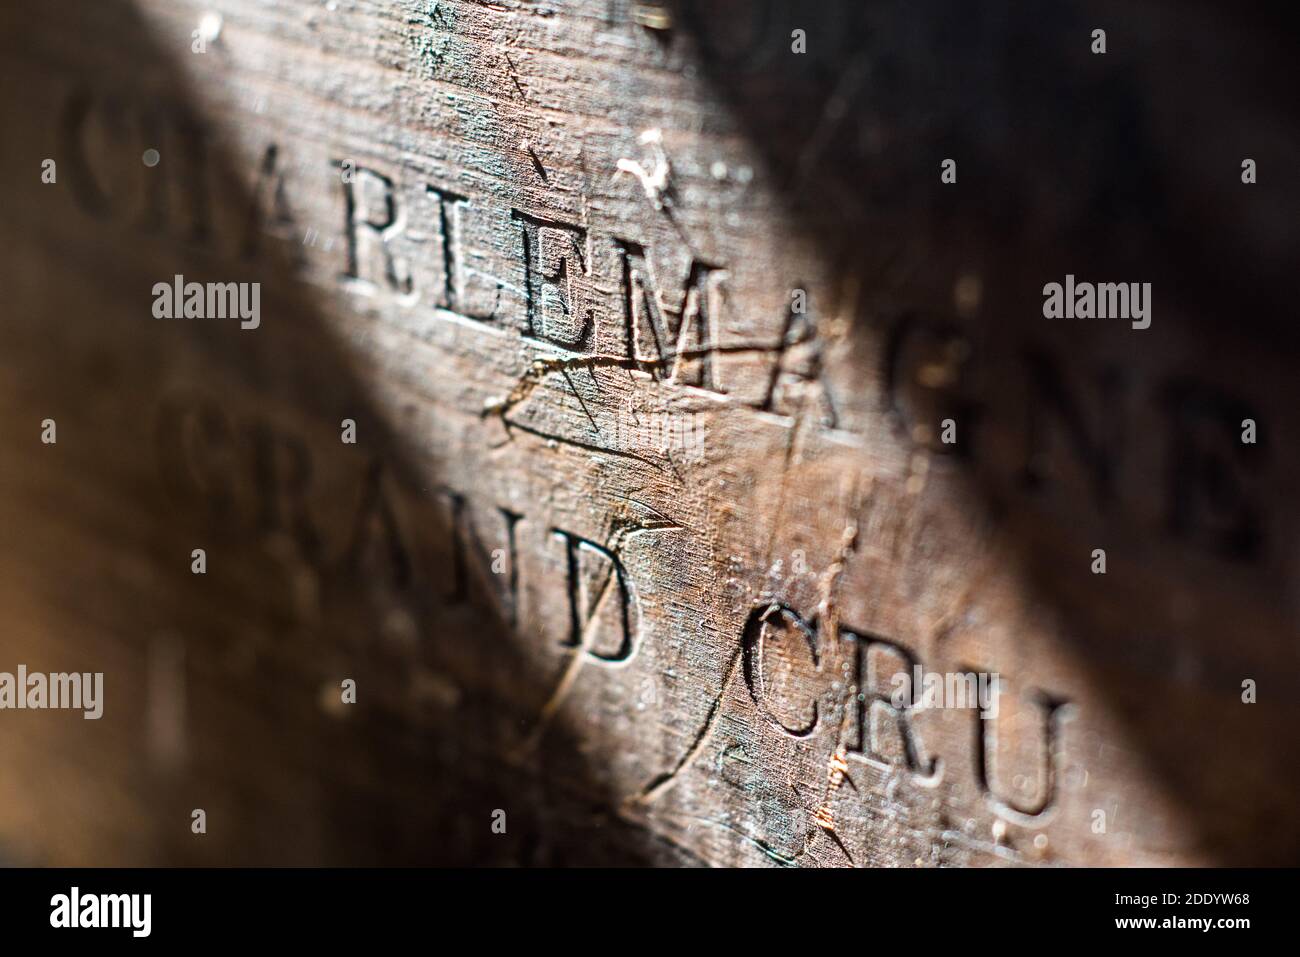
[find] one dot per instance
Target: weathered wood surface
(647, 654)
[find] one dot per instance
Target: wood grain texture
(628, 547)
